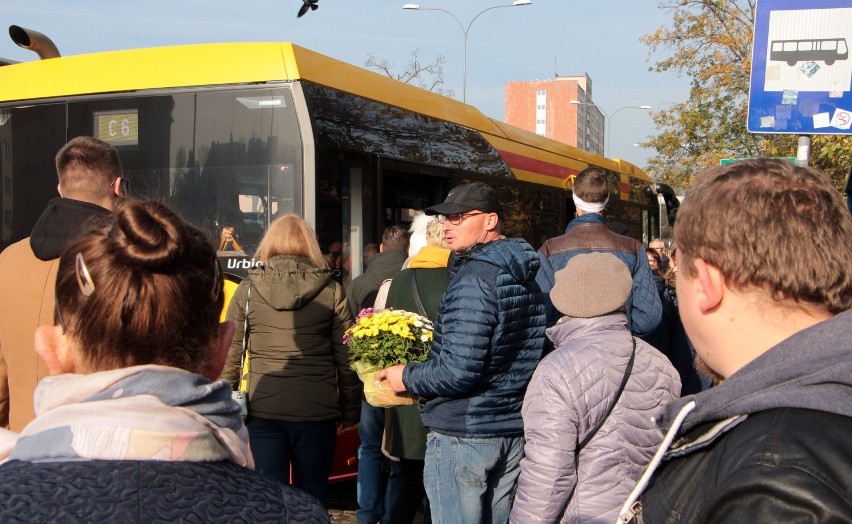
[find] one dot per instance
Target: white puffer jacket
(566, 399)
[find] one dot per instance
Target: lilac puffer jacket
(566, 399)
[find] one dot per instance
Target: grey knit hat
(591, 285)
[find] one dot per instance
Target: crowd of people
(595, 379)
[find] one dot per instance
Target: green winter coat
(299, 366)
(405, 436)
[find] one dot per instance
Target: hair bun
(148, 234)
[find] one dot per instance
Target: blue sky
(568, 37)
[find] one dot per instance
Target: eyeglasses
(457, 218)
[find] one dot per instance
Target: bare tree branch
(425, 76)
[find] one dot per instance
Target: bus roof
(253, 63)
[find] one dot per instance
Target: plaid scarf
(137, 413)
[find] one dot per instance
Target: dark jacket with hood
(27, 300)
(298, 366)
(770, 444)
(489, 336)
(362, 291)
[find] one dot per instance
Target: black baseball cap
(466, 197)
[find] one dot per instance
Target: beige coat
(26, 301)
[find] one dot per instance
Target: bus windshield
(223, 158)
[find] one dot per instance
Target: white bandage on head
(589, 207)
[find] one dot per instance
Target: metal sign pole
(803, 151)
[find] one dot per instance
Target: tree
(710, 41)
(428, 76)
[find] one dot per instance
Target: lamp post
(607, 118)
(465, 30)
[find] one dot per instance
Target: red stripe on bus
(525, 163)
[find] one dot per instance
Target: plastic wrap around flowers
(383, 338)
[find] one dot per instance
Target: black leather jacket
(778, 465)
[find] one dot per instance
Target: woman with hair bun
(301, 390)
(131, 426)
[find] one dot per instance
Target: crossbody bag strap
(245, 321)
(416, 294)
(624, 380)
(244, 357)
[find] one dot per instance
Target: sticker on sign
(841, 119)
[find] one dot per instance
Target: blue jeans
(471, 480)
(376, 494)
(306, 446)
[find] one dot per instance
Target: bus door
(408, 189)
(358, 195)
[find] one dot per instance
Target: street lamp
(608, 118)
(465, 30)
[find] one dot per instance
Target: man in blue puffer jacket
(489, 336)
(588, 234)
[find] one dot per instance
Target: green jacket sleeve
(349, 386)
(236, 314)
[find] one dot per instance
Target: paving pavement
(341, 516)
(342, 503)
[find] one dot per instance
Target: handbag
(241, 395)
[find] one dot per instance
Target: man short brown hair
(395, 237)
(750, 219)
(87, 168)
(591, 185)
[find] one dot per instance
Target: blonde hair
(290, 235)
(417, 230)
(435, 232)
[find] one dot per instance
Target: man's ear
(55, 349)
(116, 187)
(711, 283)
(59, 189)
(219, 350)
(491, 221)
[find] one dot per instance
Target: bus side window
(254, 212)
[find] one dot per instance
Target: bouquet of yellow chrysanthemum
(383, 338)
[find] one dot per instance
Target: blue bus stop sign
(801, 70)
